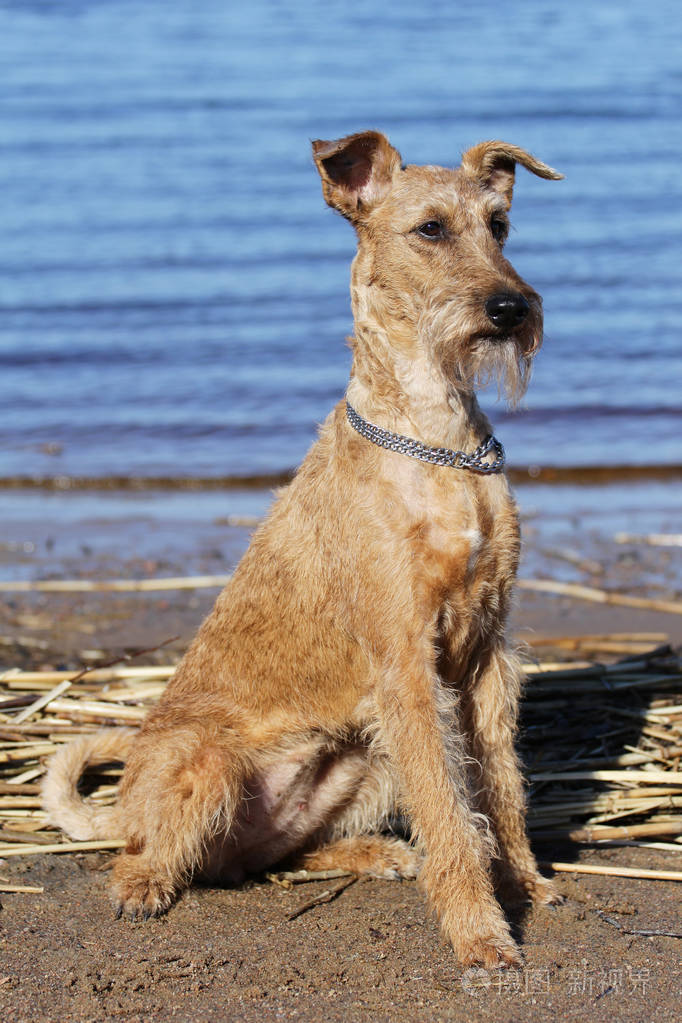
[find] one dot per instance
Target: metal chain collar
(437, 456)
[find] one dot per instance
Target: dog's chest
(463, 529)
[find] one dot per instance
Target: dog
(355, 668)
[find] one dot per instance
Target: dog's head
(430, 269)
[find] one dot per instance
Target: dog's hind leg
(379, 855)
(181, 787)
(351, 840)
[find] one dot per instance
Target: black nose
(507, 309)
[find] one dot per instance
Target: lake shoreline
(576, 475)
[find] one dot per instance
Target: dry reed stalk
(238, 520)
(194, 582)
(323, 897)
(133, 694)
(592, 805)
(27, 751)
(613, 647)
(61, 847)
(19, 802)
(550, 667)
(633, 831)
(14, 835)
(597, 596)
(288, 878)
(21, 888)
(21, 679)
(588, 565)
(33, 772)
(608, 871)
(653, 539)
(594, 639)
(615, 644)
(588, 796)
(75, 709)
(632, 759)
(613, 734)
(36, 827)
(9, 789)
(41, 702)
(628, 777)
(26, 815)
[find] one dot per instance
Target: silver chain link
(437, 456)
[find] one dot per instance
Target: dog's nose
(507, 309)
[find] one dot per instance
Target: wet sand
(374, 953)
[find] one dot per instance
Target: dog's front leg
(489, 715)
(416, 722)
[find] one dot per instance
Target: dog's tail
(65, 806)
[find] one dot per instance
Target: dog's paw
(491, 953)
(479, 933)
(141, 896)
(514, 888)
(373, 855)
(396, 863)
(538, 889)
(542, 891)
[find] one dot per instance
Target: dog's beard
(502, 362)
(472, 363)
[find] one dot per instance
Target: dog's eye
(431, 229)
(498, 229)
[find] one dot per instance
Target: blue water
(173, 291)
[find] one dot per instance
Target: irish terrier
(355, 667)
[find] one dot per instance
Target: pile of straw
(602, 743)
(602, 746)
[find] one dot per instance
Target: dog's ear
(356, 171)
(493, 165)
